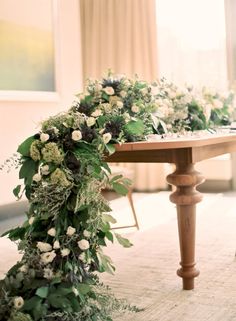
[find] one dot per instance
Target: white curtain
(121, 35)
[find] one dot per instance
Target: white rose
(90, 121)
(86, 233)
(172, 94)
(65, 252)
(98, 87)
(76, 135)
(56, 130)
(83, 245)
(44, 137)
(207, 111)
(48, 273)
(37, 177)
(18, 302)
(101, 131)
(123, 93)
(97, 113)
(109, 90)
(119, 104)
(107, 107)
(144, 91)
(56, 245)
(106, 137)
(75, 291)
(31, 220)
(70, 231)
(44, 247)
(24, 268)
(217, 103)
(47, 257)
(135, 109)
(52, 231)
(45, 170)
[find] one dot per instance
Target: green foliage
(24, 148)
(68, 221)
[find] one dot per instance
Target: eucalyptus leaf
(123, 241)
(110, 148)
(108, 218)
(120, 188)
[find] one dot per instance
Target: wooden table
(184, 153)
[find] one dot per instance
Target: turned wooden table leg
(185, 178)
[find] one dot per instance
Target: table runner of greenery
(63, 169)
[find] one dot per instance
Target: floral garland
(64, 171)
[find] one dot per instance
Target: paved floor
(146, 274)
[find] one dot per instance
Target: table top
(177, 150)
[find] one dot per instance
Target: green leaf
(16, 191)
(110, 148)
(106, 167)
(42, 292)
(83, 288)
(31, 303)
(17, 233)
(58, 301)
(115, 178)
(135, 127)
(108, 218)
(105, 263)
(24, 148)
(109, 236)
(27, 171)
(123, 241)
(120, 188)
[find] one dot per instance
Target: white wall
(19, 116)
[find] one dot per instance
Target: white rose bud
(47, 257)
(109, 91)
(70, 231)
(18, 302)
(97, 113)
(48, 273)
(90, 121)
(106, 137)
(83, 245)
(37, 177)
(31, 220)
(86, 233)
(52, 231)
(65, 252)
(44, 137)
(119, 104)
(45, 170)
(75, 291)
(24, 268)
(123, 93)
(98, 87)
(135, 109)
(44, 247)
(56, 245)
(76, 135)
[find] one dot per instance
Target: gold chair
(128, 173)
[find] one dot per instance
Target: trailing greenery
(68, 223)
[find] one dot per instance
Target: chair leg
(130, 198)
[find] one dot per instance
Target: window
(191, 42)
